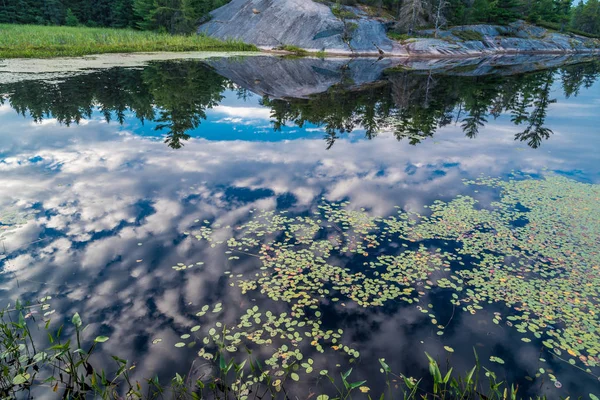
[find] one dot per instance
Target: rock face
(313, 27)
(302, 23)
(517, 37)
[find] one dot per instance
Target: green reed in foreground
(64, 366)
(33, 41)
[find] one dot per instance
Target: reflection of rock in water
(301, 77)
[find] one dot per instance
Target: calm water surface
(104, 175)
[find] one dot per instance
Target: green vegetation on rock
(468, 35)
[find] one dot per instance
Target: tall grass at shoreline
(35, 41)
(61, 366)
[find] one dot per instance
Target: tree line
(556, 14)
(184, 16)
(173, 16)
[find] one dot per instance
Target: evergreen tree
(587, 17)
(481, 11)
(145, 11)
(7, 11)
(53, 12)
(122, 14)
(71, 19)
(505, 11)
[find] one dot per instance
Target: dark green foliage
(60, 360)
(173, 16)
(71, 19)
(184, 16)
(505, 11)
(586, 17)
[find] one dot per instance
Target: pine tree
(71, 19)
(145, 11)
(588, 18)
(505, 11)
(7, 11)
(122, 14)
(481, 11)
(53, 12)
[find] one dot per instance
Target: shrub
(467, 35)
(293, 49)
(401, 37)
(71, 19)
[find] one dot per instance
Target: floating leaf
(20, 379)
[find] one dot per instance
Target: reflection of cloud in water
(102, 191)
(243, 112)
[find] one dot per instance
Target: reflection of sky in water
(104, 189)
(238, 119)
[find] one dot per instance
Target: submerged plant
(512, 252)
(533, 251)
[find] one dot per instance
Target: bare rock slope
(312, 26)
(303, 23)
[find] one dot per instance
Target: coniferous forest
(183, 16)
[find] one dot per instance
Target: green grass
(401, 37)
(298, 51)
(342, 13)
(34, 41)
(468, 35)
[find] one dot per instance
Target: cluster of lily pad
(288, 336)
(535, 250)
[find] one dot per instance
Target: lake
(322, 214)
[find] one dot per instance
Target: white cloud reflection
(110, 198)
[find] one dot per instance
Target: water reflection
(93, 192)
(413, 105)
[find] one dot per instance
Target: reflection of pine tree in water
(413, 105)
(183, 92)
(535, 131)
(338, 110)
(173, 94)
(420, 103)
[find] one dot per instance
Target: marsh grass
(34, 41)
(63, 365)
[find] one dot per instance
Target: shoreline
(430, 55)
(135, 57)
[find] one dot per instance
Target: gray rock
(303, 23)
(312, 26)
